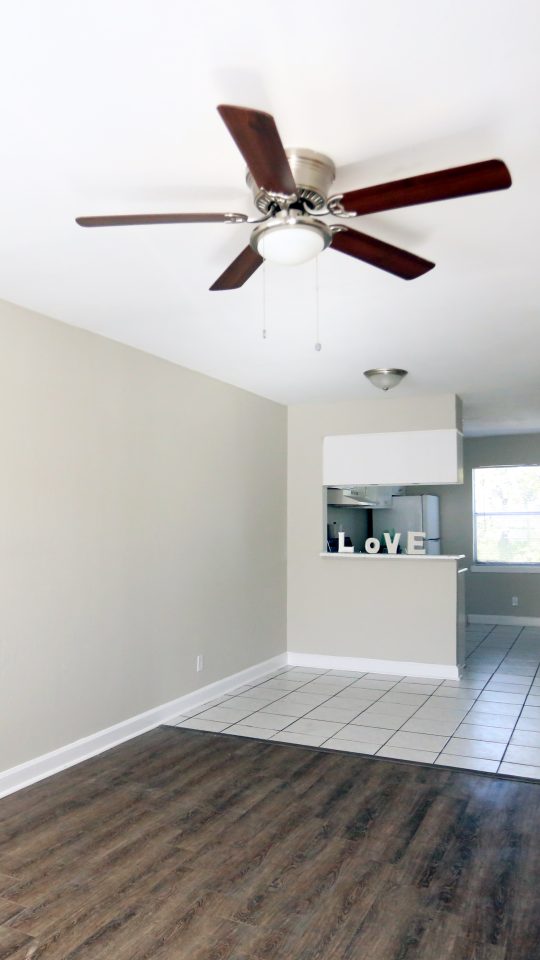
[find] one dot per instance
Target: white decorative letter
(415, 542)
(392, 545)
(372, 545)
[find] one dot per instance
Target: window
(506, 505)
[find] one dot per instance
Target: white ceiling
(109, 107)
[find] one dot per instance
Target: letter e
(415, 542)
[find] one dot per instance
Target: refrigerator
(419, 513)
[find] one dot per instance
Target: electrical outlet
(200, 663)
(515, 601)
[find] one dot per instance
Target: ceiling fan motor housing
(313, 173)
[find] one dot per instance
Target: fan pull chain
(318, 344)
(264, 330)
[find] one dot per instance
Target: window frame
(500, 566)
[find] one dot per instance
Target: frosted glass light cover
(385, 378)
(291, 244)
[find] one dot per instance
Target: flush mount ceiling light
(385, 377)
(290, 238)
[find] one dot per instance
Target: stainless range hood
(354, 497)
(365, 498)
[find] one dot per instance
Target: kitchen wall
(487, 593)
(142, 522)
(338, 606)
(353, 521)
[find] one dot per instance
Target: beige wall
(379, 609)
(142, 521)
(341, 607)
(487, 593)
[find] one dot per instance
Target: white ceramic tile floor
(460, 747)
(478, 731)
(441, 727)
(382, 720)
(307, 739)
(526, 738)
(242, 730)
(489, 720)
(351, 746)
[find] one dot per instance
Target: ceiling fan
(291, 192)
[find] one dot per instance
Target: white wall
(338, 607)
(142, 521)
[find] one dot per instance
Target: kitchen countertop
(394, 556)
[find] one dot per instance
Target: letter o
(372, 545)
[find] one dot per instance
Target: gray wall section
(142, 522)
(487, 593)
(353, 521)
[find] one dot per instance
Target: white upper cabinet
(403, 458)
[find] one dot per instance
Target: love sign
(415, 543)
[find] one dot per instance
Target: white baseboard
(30, 772)
(510, 621)
(402, 668)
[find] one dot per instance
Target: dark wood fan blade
(239, 270)
(141, 219)
(256, 136)
(380, 254)
(442, 185)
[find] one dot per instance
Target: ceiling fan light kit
(290, 238)
(291, 190)
(385, 377)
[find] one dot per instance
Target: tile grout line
(336, 734)
(400, 729)
(486, 682)
(490, 678)
(304, 716)
(511, 727)
(298, 689)
(353, 681)
(535, 674)
(436, 683)
(391, 733)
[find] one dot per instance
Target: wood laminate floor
(183, 845)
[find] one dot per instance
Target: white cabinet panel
(404, 458)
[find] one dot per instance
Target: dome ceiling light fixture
(291, 190)
(290, 237)
(385, 377)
